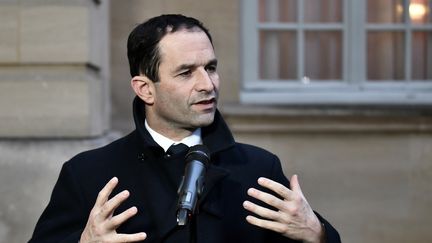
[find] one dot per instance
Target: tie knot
(177, 149)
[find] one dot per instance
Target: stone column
(54, 84)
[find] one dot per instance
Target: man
(246, 197)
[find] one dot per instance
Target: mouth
(207, 103)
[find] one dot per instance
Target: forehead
(185, 44)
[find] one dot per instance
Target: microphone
(191, 187)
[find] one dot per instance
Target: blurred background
(340, 90)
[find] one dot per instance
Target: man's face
(186, 96)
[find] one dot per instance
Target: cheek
(215, 80)
(173, 99)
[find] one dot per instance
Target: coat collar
(217, 136)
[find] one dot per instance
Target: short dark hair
(143, 49)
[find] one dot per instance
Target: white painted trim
(337, 98)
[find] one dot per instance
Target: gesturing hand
(294, 217)
(101, 225)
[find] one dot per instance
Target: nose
(205, 81)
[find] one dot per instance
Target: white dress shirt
(165, 143)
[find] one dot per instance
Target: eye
(211, 68)
(186, 73)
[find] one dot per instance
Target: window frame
(353, 89)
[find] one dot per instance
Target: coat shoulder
(253, 153)
(114, 151)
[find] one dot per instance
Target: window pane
(385, 11)
(323, 54)
(323, 10)
(385, 56)
(277, 10)
(278, 55)
(420, 11)
(422, 55)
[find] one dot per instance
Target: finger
(266, 224)
(295, 185)
(130, 237)
(261, 211)
(119, 219)
(276, 187)
(109, 207)
(266, 197)
(105, 192)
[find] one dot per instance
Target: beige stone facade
(64, 71)
(53, 68)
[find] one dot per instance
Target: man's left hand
(294, 218)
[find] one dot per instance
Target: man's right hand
(101, 225)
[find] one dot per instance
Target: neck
(169, 131)
(174, 134)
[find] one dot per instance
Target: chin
(205, 120)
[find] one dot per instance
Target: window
(337, 51)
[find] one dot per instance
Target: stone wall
(28, 171)
(53, 68)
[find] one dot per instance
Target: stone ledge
(51, 101)
(247, 118)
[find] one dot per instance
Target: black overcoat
(152, 179)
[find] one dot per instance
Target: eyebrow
(191, 66)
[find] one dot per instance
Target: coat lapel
(160, 200)
(158, 196)
(213, 177)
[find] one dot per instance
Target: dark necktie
(177, 149)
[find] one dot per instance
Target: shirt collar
(165, 143)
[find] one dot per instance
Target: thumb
(295, 185)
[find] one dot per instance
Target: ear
(143, 88)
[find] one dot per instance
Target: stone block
(50, 102)
(9, 16)
(28, 172)
(54, 33)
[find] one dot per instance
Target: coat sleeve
(331, 234)
(64, 218)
